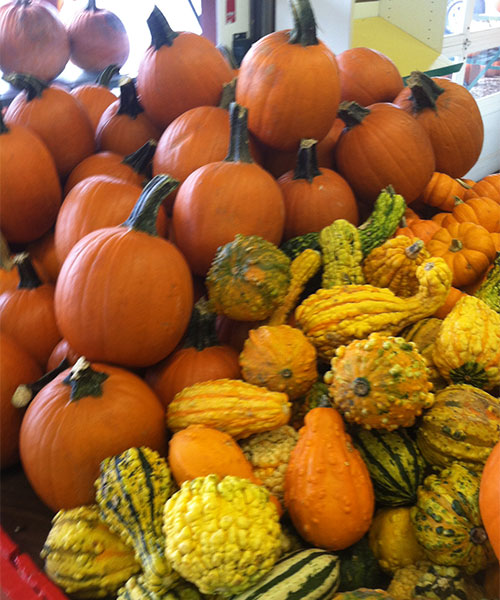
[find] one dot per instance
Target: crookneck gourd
(489, 291)
(447, 521)
(462, 425)
(380, 382)
(394, 264)
(467, 348)
(131, 491)
(342, 255)
(84, 557)
(335, 316)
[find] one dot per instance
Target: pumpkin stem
(361, 386)
(107, 75)
(25, 392)
(33, 86)
(463, 183)
(304, 28)
(142, 157)
(458, 201)
(145, 212)
(424, 90)
(3, 126)
(201, 332)
(239, 150)
(129, 102)
(352, 113)
(6, 260)
(84, 381)
(28, 277)
(161, 32)
(228, 94)
(307, 161)
(91, 6)
(412, 251)
(478, 535)
(456, 245)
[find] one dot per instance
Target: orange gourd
(489, 498)
(442, 191)
(488, 186)
(328, 491)
(422, 229)
(452, 298)
(480, 210)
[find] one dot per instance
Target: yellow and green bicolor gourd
(447, 520)
(424, 333)
(462, 425)
(342, 255)
(489, 291)
(84, 557)
(131, 491)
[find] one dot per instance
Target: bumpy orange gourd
(328, 491)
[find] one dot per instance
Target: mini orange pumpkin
(480, 210)
(442, 191)
(488, 186)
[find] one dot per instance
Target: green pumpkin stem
(91, 6)
(424, 90)
(307, 161)
(129, 102)
(142, 157)
(25, 392)
(33, 86)
(161, 32)
(145, 212)
(201, 332)
(3, 126)
(228, 94)
(28, 277)
(84, 381)
(107, 75)
(239, 150)
(352, 113)
(304, 28)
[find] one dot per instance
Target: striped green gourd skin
(359, 567)
(294, 246)
(395, 464)
(364, 594)
(136, 589)
(447, 521)
(131, 491)
(84, 557)
(311, 574)
(489, 291)
(462, 425)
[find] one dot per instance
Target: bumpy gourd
(84, 557)
(423, 333)
(296, 245)
(447, 521)
(380, 382)
(318, 395)
(489, 291)
(467, 348)
(342, 254)
(136, 589)
(236, 407)
(462, 425)
(395, 464)
(339, 315)
(131, 491)
(280, 358)
(393, 265)
(222, 535)
(249, 277)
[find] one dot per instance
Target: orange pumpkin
(43, 255)
(423, 229)
(439, 217)
(328, 491)
(480, 210)
(87, 413)
(289, 82)
(489, 498)
(442, 191)
(60, 352)
(488, 186)
(496, 241)
(467, 248)
(452, 298)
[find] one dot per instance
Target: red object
(230, 11)
(21, 579)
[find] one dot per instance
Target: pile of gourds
(263, 372)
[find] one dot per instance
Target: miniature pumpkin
(488, 186)
(480, 210)
(488, 498)
(442, 191)
(422, 229)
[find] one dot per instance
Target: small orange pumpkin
(442, 191)
(488, 186)
(422, 229)
(480, 210)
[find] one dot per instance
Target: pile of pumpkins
(269, 288)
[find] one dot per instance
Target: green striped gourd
(462, 425)
(359, 567)
(447, 520)
(395, 464)
(342, 255)
(131, 491)
(364, 594)
(136, 589)
(310, 574)
(84, 557)
(296, 245)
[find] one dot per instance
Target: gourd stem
(142, 157)
(201, 332)
(307, 161)
(145, 212)
(478, 535)
(228, 94)
(352, 113)
(424, 90)
(28, 277)
(239, 150)
(361, 386)
(25, 392)
(304, 28)
(129, 102)
(456, 245)
(107, 75)
(3, 126)
(412, 251)
(33, 86)
(6, 260)
(84, 381)
(91, 6)
(161, 32)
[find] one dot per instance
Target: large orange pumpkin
(383, 145)
(450, 115)
(289, 82)
(87, 413)
(125, 295)
(179, 70)
(489, 498)
(43, 255)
